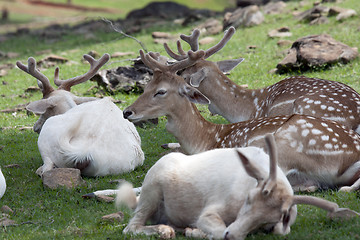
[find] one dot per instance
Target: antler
(95, 65)
(192, 40)
(31, 69)
(271, 182)
(153, 64)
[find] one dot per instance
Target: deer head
(272, 202)
(60, 100)
(165, 89)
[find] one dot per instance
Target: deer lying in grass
(2, 184)
(93, 136)
(313, 152)
(295, 95)
(212, 195)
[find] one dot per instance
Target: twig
(126, 35)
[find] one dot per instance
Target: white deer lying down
(2, 184)
(313, 152)
(93, 136)
(212, 195)
(298, 94)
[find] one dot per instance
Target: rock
(211, 26)
(274, 7)
(62, 177)
(121, 54)
(316, 51)
(280, 32)
(51, 61)
(104, 198)
(319, 20)
(312, 13)
(206, 40)
(243, 17)
(346, 14)
(165, 10)
(114, 217)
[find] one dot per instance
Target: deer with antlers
(294, 95)
(218, 194)
(86, 133)
(313, 152)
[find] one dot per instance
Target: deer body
(295, 95)
(322, 151)
(93, 137)
(212, 195)
(82, 132)
(2, 184)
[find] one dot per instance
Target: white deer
(313, 152)
(294, 95)
(217, 194)
(92, 136)
(2, 184)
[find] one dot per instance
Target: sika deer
(93, 136)
(58, 101)
(212, 195)
(323, 152)
(295, 95)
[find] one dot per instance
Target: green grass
(63, 214)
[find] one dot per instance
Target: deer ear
(40, 106)
(198, 77)
(193, 94)
(250, 168)
(228, 65)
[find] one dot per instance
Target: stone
(243, 17)
(6, 222)
(280, 32)
(316, 51)
(6, 209)
(282, 43)
(274, 7)
(206, 40)
(62, 177)
(211, 26)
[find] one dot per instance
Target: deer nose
(127, 113)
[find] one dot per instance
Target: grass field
(62, 214)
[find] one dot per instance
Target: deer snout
(127, 113)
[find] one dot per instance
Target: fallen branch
(126, 35)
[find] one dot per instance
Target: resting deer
(218, 194)
(295, 95)
(93, 136)
(323, 152)
(2, 184)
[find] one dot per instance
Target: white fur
(2, 184)
(206, 191)
(94, 131)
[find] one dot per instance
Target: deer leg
(149, 207)
(48, 165)
(354, 178)
(300, 182)
(209, 224)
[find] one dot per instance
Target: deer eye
(160, 92)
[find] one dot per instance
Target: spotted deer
(218, 194)
(60, 100)
(294, 95)
(89, 134)
(313, 152)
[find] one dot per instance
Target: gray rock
(243, 17)
(62, 177)
(316, 51)
(274, 7)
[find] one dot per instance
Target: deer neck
(233, 102)
(194, 133)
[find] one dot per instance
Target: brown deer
(320, 152)
(294, 95)
(58, 101)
